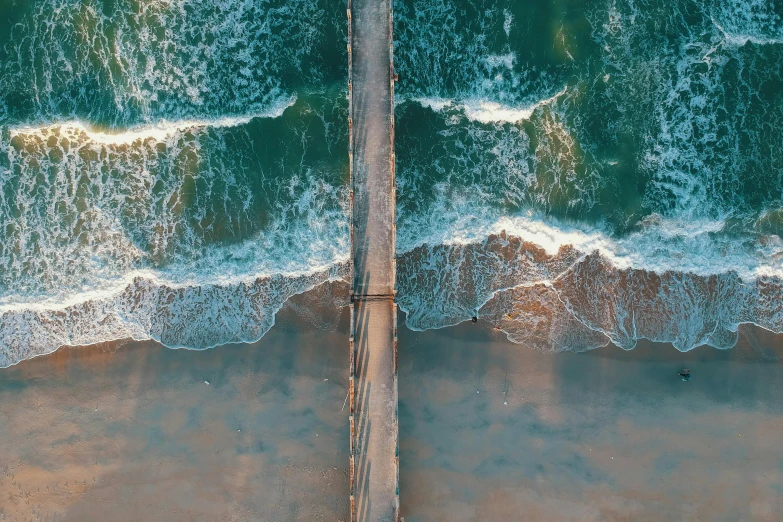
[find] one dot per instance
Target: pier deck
(373, 388)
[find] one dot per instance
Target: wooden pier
(374, 449)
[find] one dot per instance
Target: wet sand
(134, 433)
(604, 435)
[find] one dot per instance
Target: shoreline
(749, 334)
(131, 430)
(489, 432)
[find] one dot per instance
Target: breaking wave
(601, 172)
(144, 233)
(128, 63)
(192, 316)
(759, 22)
(159, 132)
(169, 170)
(484, 111)
(643, 200)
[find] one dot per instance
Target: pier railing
(392, 158)
(352, 416)
(350, 142)
(352, 347)
(393, 196)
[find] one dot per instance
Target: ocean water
(575, 172)
(169, 170)
(585, 172)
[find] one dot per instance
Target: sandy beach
(490, 431)
(493, 431)
(132, 431)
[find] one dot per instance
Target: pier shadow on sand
(602, 435)
(495, 431)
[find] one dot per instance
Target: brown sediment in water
(601, 435)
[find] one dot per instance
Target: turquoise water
(574, 172)
(173, 170)
(634, 147)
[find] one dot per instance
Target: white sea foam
(689, 273)
(196, 317)
(508, 22)
(570, 287)
(741, 39)
(227, 294)
(486, 111)
(166, 215)
(83, 217)
(311, 241)
(183, 60)
(159, 131)
(268, 256)
(111, 288)
(680, 276)
(445, 54)
(689, 97)
(695, 246)
(743, 21)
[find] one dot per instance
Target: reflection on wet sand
(141, 432)
(489, 430)
(494, 431)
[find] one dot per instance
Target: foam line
(486, 111)
(741, 39)
(147, 309)
(661, 245)
(158, 132)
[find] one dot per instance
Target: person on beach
(685, 374)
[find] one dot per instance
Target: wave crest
(159, 132)
(486, 111)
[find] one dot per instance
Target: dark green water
(574, 172)
(651, 107)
